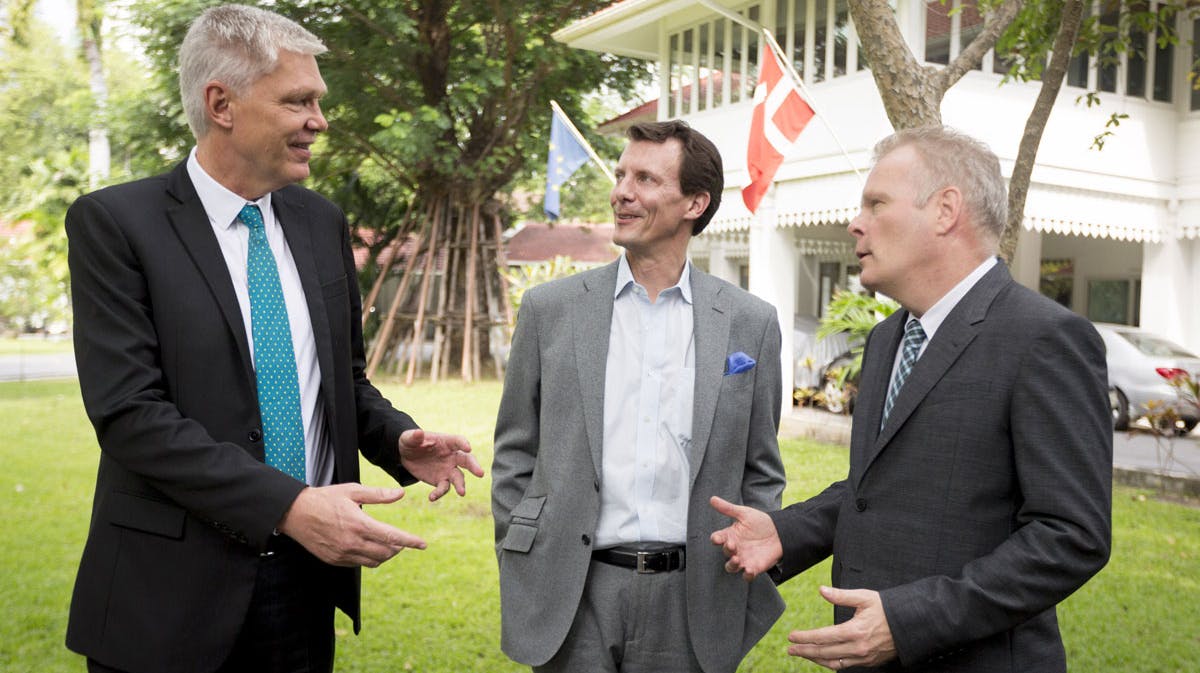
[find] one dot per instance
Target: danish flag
(780, 114)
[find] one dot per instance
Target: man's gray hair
(949, 157)
(235, 45)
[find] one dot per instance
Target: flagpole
(791, 70)
(787, 63)
(583, 141)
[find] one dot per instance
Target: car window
(1155, 346)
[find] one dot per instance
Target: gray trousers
(628, 623)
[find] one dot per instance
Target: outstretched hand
(864, 640)
(751, 544)
(438, 459)
(329, 522)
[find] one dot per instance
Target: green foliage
(521, 278)
(46, 113)
(1119, 30)
(426, 98)
(856, 314)
(438, 609)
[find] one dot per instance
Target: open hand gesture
(438, 460)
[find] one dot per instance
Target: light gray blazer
(986, 498)
(546, 474)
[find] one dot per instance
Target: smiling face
(269, 128)
(649, 209)
(894, 237)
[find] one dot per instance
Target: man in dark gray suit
(218, 336)
(979, 492)
(633, 393)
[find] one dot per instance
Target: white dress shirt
(936, 315)
(648, 392)
(222, 207)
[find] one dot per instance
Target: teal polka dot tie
(274, 358)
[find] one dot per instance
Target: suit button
(860, 504)
(254, 435)
(596, 485)
(587, 539)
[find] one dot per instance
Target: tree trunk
(912, 93)
(1035, 125)
(99, 153)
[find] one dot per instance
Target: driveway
(37, 366)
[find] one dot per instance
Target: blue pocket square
(738, 362)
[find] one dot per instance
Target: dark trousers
(289, 625)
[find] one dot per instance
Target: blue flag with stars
(567, 154)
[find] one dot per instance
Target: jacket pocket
(523, 527)
(129, 510)
(519, 538)
(529, 508)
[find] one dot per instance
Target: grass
(34, 345)
(437, 610)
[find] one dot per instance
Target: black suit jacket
(986, 498)
(184, 502)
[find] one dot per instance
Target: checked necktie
(914, 337)
(274, 358)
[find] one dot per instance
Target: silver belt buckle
(641, 564)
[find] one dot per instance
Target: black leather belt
(650, 561)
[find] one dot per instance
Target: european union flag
(567, 154)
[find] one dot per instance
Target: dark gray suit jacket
(184, 501)
(986, 499)
(546, 474)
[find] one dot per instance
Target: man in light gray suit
(634, 392)
(980, 485)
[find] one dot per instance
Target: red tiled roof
(648, 112)
(539, 242)
(534, 242)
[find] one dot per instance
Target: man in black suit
(220, 356)
(980, 485)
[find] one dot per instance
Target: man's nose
(317, 122)
(855, 227)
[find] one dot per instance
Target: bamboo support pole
(418, 337)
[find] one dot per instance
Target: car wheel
(1185, 426)
(1120, 409)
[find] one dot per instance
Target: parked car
(1134, 356)
(816, 359)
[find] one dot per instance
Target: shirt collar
(222, 205)
(937, 314)
(625, 279)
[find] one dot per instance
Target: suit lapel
(293, 218)
(952, 338)
(592, 319)
(711, 331)
(191, 224)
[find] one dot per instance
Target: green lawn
(34, 346)
(437, 610)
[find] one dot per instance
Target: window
(1058, 280)
(1164, 66)
(1195, 79)
(1135, 58)
(1115, 301)
(711, 64)
(937, 32)
(828, 273)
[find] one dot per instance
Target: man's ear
(697, 205)
(217, 100)
(951, 208)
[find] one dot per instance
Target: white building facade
(1110, 233)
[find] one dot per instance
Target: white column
(719, 264)
(773, 266)
(1026, 264)
(1168, 288)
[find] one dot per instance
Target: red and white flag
(780, 114)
